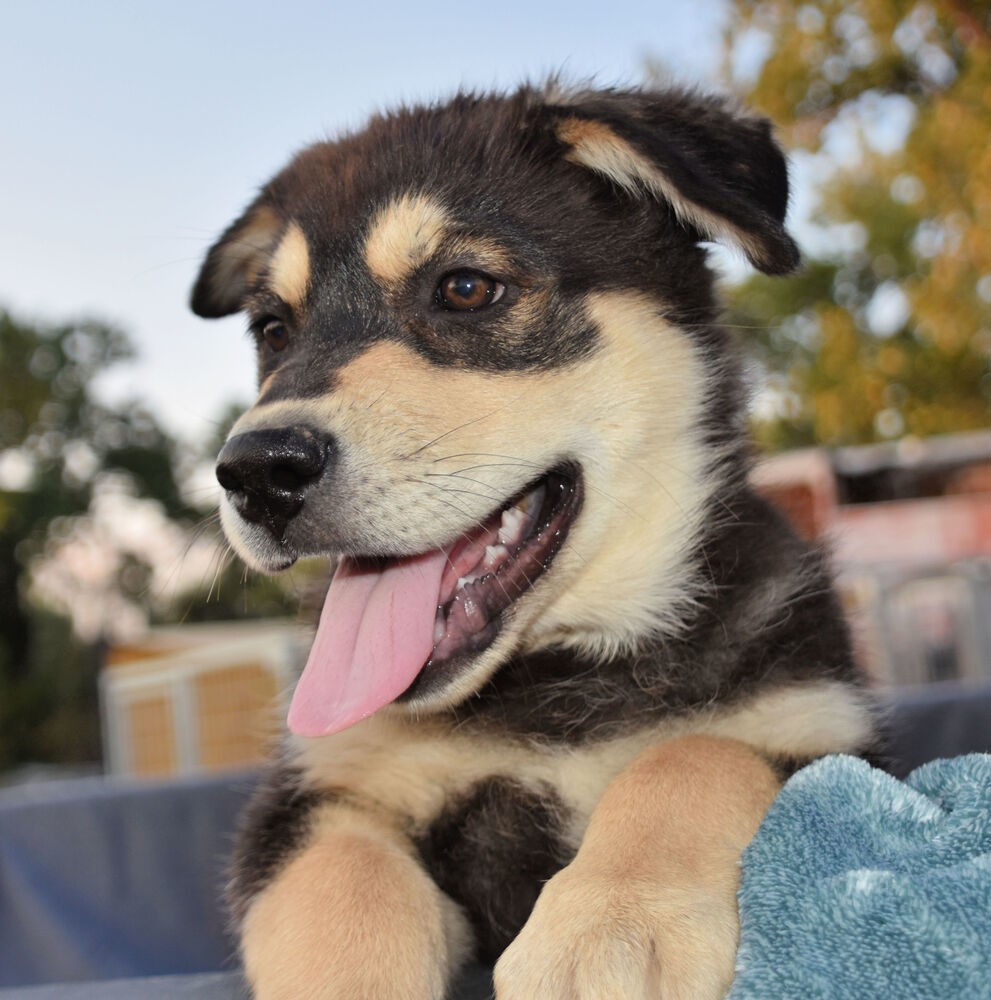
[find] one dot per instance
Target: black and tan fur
(573, 799)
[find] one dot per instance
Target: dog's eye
(275, 333)
(466, 291)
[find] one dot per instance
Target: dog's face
(486, 358)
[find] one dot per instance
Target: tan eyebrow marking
(289, 271)
(404, 234)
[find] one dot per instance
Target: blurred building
(908, 525)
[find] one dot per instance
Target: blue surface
(106, 879)
(211, 986)
(475, 984)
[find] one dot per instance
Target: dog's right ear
(234, 262)
(717, 167)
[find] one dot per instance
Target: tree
(888, 329)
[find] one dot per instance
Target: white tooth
(438, 629)
(512, 525)
(494, 554)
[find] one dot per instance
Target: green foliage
(60, 438)
(62, 435)
(49, 709)
(840, 72)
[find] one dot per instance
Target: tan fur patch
(352, 915)
(685, 804)
(402, 236)
(289, 270)
(412, 768)
(596, 146)
(804, 720)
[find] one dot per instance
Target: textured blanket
(861, 887)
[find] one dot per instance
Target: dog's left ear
(718, 168)
(234, 261)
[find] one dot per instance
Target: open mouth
(491, 567)
(407, 626)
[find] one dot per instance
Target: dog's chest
(493, 819)
(491, 850)
(420, 772)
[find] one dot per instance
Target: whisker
(451, 489)
(485, 465)
(454, 475)
(467, 423)
(461, 535)
(196, 533)
(440, 437)
(523, 463)
(225, 559)
(512, 459)
(450, 503)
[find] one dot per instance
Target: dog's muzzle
(266, 473)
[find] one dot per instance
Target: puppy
(568, 656)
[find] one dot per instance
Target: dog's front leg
(647, 909)
(352, 916)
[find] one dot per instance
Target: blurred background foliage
(61, 453)
(885, 106)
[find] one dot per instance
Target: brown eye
(466, 291)
(275, 333)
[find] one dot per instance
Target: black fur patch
(766, 617)
(491, 851)
(684, 138)
(784, 766)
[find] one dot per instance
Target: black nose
(266, 473)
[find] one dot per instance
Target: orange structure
(197, 697)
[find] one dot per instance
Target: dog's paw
(353, 917)
(592, 937)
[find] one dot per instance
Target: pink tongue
(376, 631)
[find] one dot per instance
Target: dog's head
(488, 368)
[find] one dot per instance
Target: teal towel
(861, 887)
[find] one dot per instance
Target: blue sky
(132, 133)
